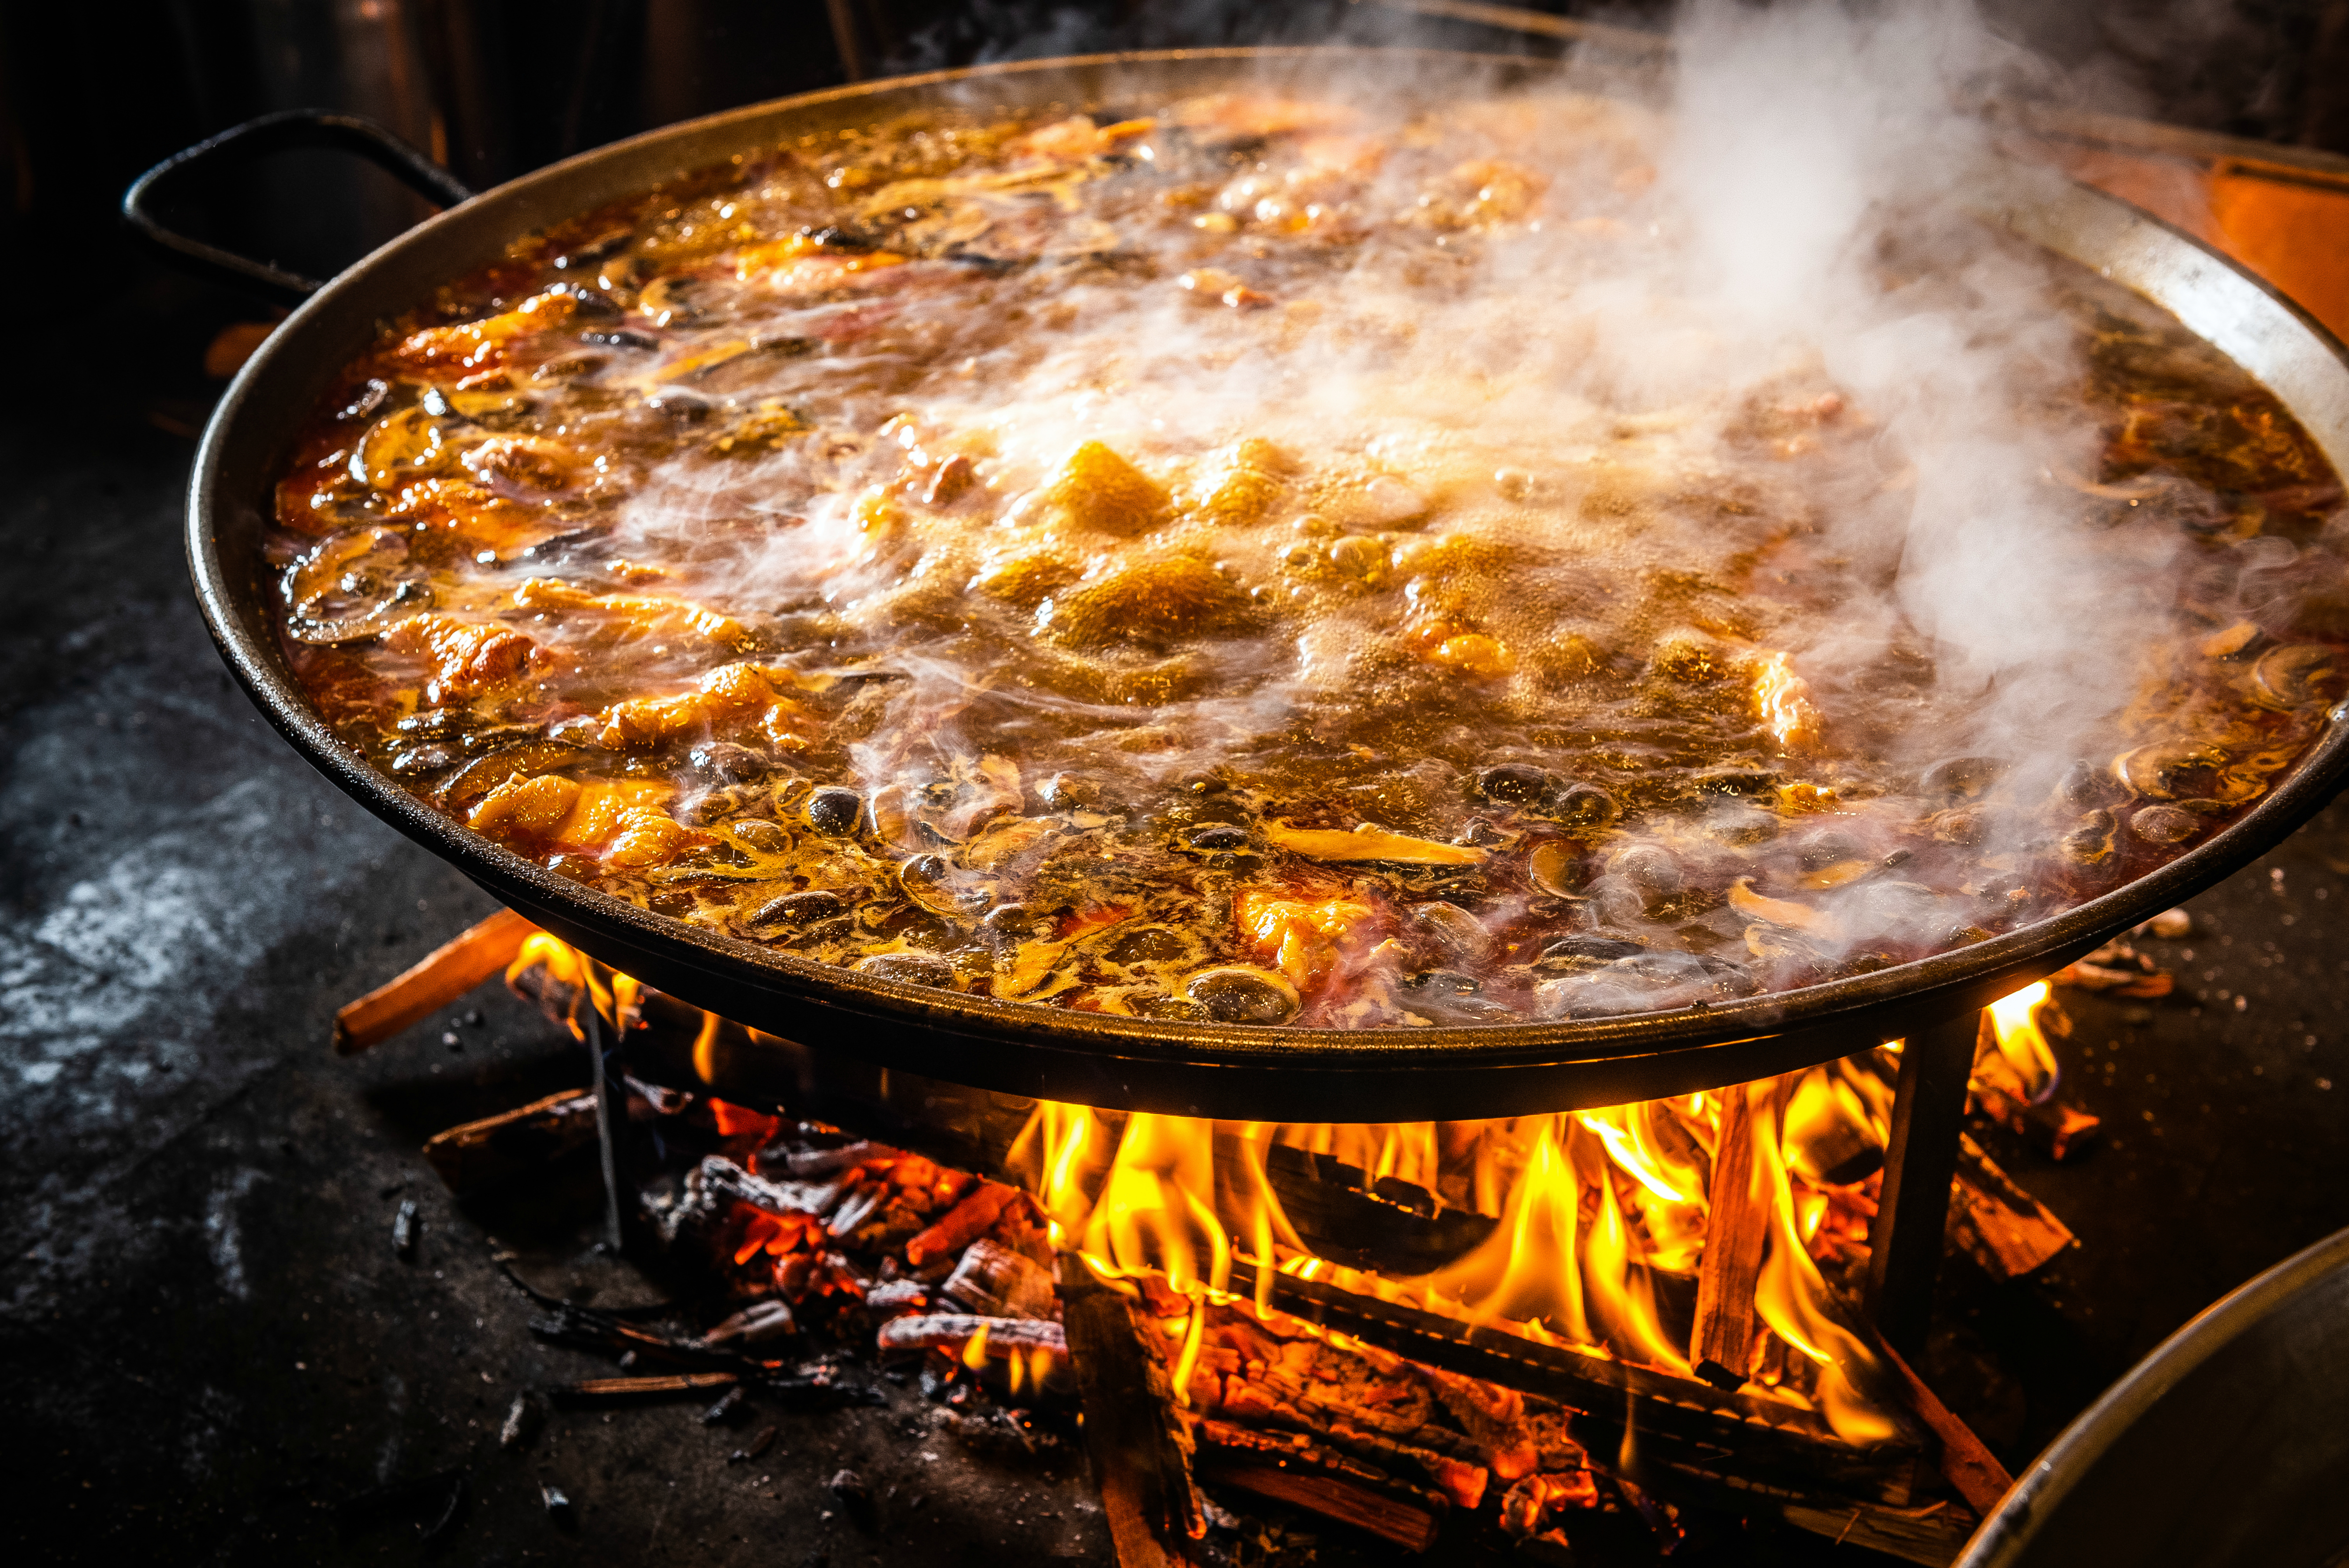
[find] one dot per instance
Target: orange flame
(2023, 1064)
(1784, 700)
(1596, 1210)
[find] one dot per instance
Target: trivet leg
(609, 1110)
(1920, 1160)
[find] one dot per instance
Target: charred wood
(1965, 1463)
(2053, 1128)
(1704, 1435)
(761, 1441)
(1413, 1529)
(956, 1330)
(754, 1324)
(995, 1281)
(1999, 1225)
(1140, 1452)
(512, 1143)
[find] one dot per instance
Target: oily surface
(1171, 561)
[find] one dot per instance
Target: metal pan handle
(290, 129)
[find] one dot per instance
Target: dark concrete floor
(208, 1352)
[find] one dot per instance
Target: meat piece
(468, 656)
(731, 699)
(529, 464)
(524, 808)
(1299, 936)
(646, 837)
(476, 515)
(477, 345)
(799, 264)
(603, 804)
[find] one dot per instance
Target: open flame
(2019, 1063)
(1602, 1220)
(1784, 699)
(1601, 1216)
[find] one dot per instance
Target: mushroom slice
(1239, 993)
(2166, 771)
(1369, 842)
(351, 586)
(2287, 678)
(1777, 911)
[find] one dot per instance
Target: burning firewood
(1721, 1343)
(963, 1224)
(512, 1143)
(2002, 1228)
(445, 973)
(1141, 1454)
(1399, 1419)
(754, 1324)
(994, 1280)
(1333, 1497)
(959, 1331)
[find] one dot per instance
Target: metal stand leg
(1920, 1160)
(610, 1108)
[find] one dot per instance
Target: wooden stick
(1140, 1450)
(1966, 1464)
(1737, 1225)
(954, 1330)
(512, 1142)
(1413, 1529)
(595, 1388)
(1931, 1536)
(448, 972)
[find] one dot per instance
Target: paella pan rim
(1391, 1074)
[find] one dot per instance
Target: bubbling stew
(1265, 559)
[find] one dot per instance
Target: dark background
(208, 1352)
